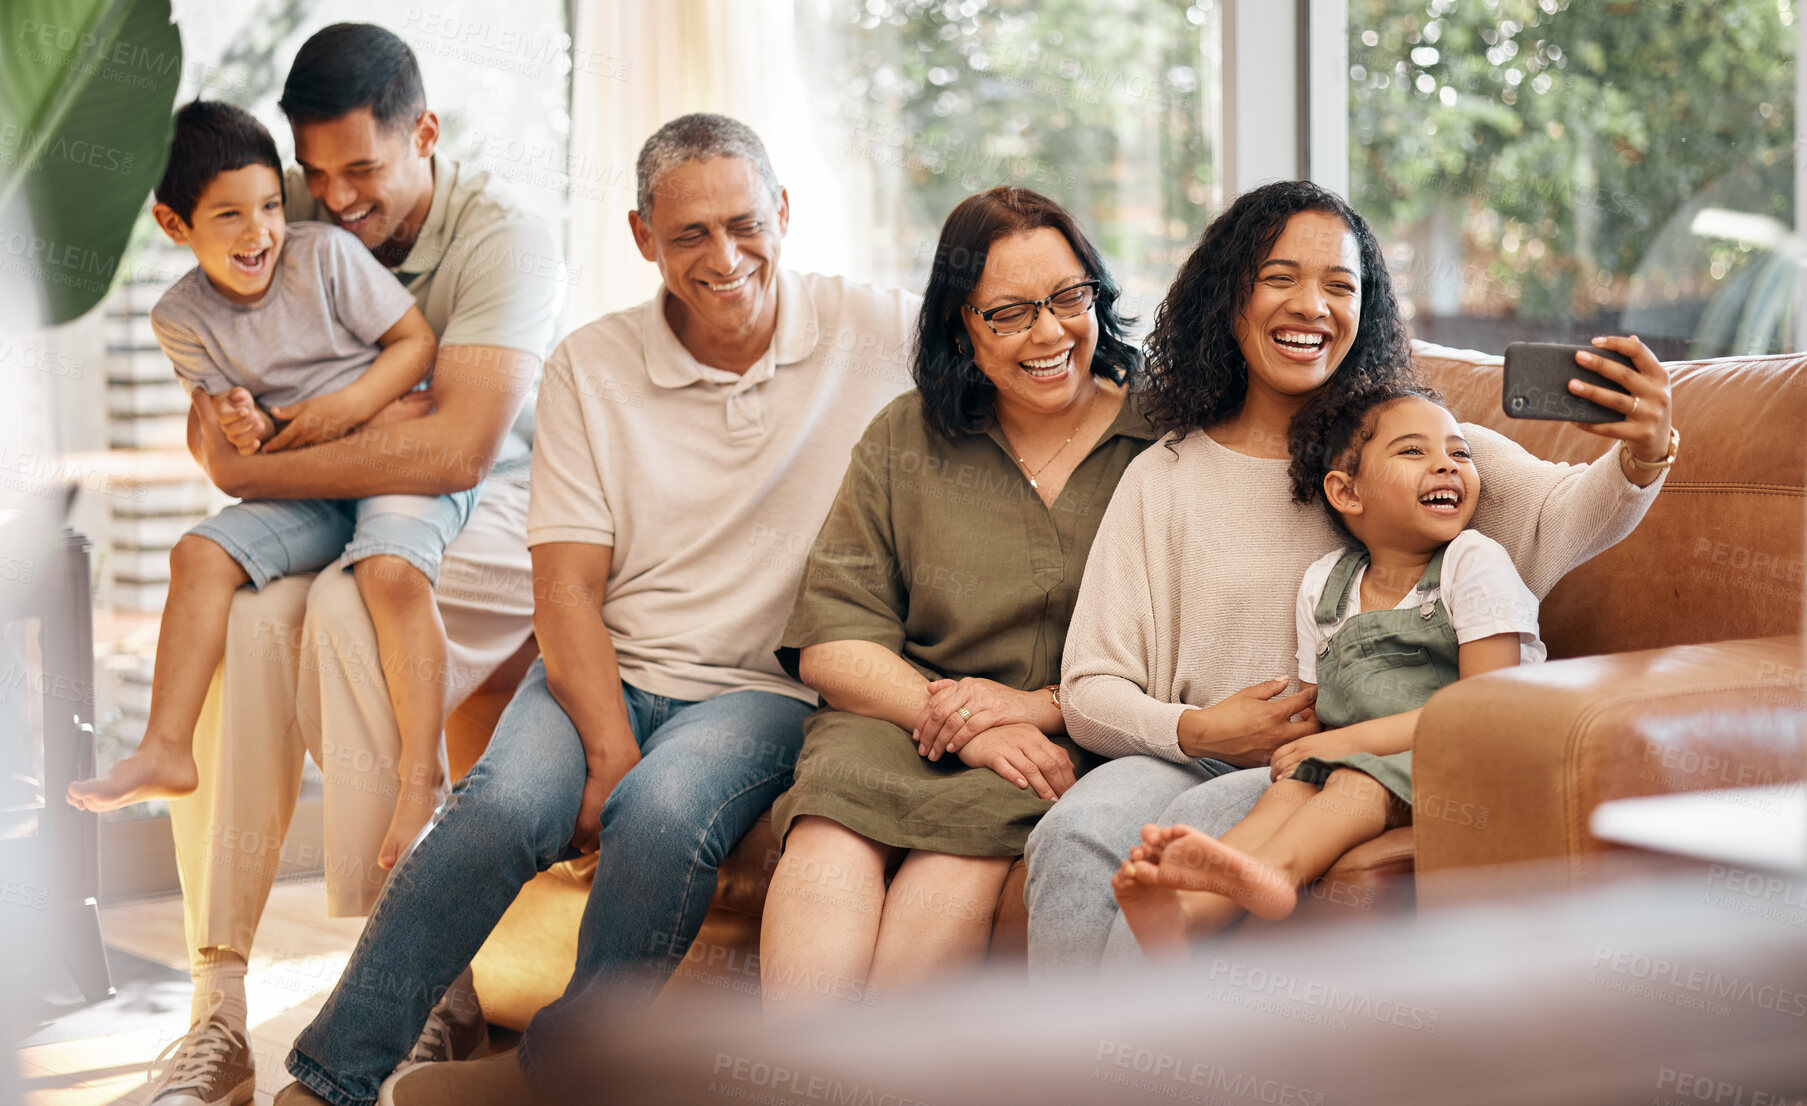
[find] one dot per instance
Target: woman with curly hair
(1180, 656)
(934, 606)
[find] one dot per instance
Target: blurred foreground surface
(1674, 982)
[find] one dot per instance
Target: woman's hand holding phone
(1617, 389)
(1645, 427)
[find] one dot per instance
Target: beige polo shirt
(710, 487)
(484, 271)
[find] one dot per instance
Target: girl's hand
(941, 728)
(1326, 744)
(1645, 428)
(1392, 733)
(1245, 728)
(1023, 755)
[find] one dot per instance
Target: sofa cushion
(745, 876)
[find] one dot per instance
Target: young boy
(296, 334)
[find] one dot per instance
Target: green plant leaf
(86, 88)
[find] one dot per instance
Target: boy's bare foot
(1152, 911)
(421, 793)
(1186, 859)
(156, 771)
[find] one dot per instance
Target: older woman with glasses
(934, 608)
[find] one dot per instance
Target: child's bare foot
(1188, 860)
(158, 770)
(420, 795)
(1152, 911)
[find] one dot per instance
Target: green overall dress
(1379, 663)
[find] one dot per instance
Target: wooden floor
(299, 954)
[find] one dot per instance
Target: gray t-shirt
(314, 331)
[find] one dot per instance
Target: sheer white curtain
(637, 64)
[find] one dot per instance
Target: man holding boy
(674, 440)
(299, 324)
(302, 670)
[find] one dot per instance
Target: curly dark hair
(1328, 434)
(956, 396)
(1196, 373)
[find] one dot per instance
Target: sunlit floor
(299, 953)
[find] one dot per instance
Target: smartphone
(1537, 383)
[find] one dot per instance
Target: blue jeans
(708, 770)
(1074, 923)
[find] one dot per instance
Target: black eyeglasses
(1014, 318)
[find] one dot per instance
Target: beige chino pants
(302, 674)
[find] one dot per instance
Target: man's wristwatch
(1675, 443)
(1053, 691)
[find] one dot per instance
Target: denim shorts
(272, 538)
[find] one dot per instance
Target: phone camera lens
(1518, 403)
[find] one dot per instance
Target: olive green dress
(940, 551)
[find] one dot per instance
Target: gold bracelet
(1053, 691)
(1675, 444)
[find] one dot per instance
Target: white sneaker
(450, 1038)
(210, 1066)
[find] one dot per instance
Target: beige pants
(302, 672)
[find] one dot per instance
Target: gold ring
(1635, 400)
(965, 714)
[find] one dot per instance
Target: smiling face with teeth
(1302, 315)
(1046, 369)
(376, 181)
(237, 231)
(1414, 487)
(715, 231)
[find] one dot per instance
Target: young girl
(1415, 603)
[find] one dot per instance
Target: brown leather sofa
(1676, 665)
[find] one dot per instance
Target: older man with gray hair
(686, 452)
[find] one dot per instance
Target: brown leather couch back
(1720, 555)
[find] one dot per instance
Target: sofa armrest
(1507, 767)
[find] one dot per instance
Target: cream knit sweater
(1190, 586)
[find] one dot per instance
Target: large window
(1110, 107)
(1556, 169)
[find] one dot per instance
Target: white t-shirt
(1480, 587)
(710, 486)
